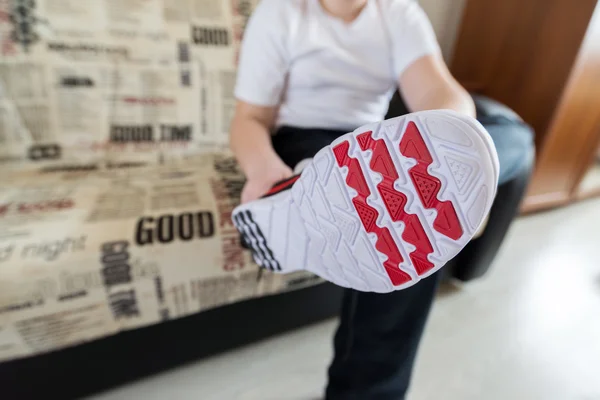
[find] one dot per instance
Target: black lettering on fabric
(167, 228)
(41, 152)
(186, 227)
(175, 133)
(131, 133)
(210, 36)
(124, 304)
(115, 263)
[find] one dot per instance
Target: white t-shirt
(323, 72)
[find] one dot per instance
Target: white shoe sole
(382, 207)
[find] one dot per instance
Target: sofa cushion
(86, 251)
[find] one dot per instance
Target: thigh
(296, 144)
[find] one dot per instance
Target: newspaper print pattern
(115, 190)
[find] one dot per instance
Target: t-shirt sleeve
(263, 59)
(412, 34)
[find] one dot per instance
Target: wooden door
(574, 134)
(539, 58)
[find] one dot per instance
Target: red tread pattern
(368, 215)
(412, 145)
(394, 201)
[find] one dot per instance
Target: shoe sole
(382, 207)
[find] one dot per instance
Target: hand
(261, 180)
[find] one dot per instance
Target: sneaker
(381, 207)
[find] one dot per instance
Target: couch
(133, 354)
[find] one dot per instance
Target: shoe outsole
(381, 207)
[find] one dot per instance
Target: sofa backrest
(103, 82)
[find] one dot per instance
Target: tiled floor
(529, 330)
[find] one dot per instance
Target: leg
(378, 336)
(348, 207)
(516, 153)
(514, 144)
(296, 144)
(376, 342)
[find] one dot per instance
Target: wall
(445, 15)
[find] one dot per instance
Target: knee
(515, 147)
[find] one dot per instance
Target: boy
(312, 70)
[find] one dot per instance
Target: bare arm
(427, 84)
(250, 141)
(249, 137)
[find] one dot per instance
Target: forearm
(448, 96)
(250, 142)
(428, 85)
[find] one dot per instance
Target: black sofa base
(103, 364)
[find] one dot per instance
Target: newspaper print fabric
(116, 190)
(126, 79)
(88, 251)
